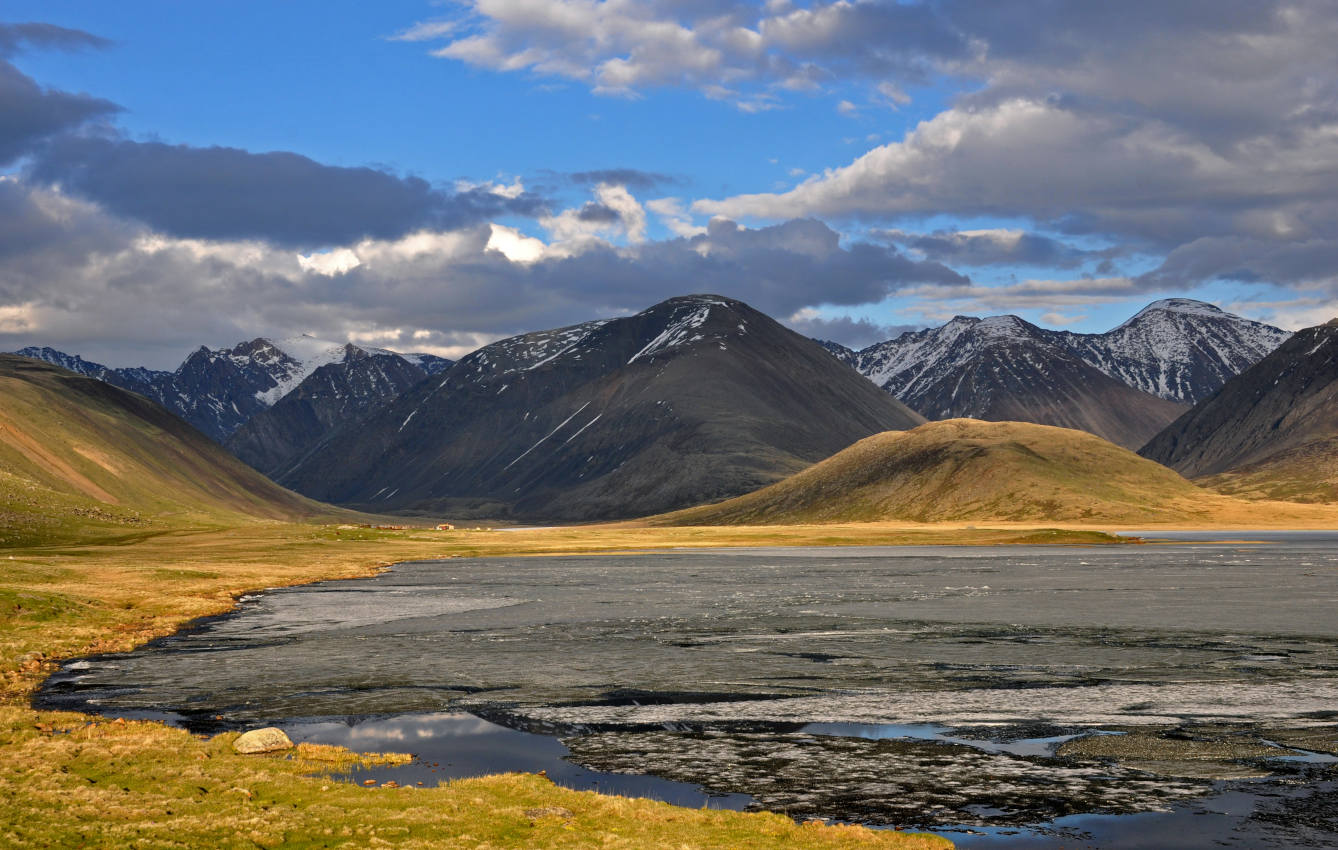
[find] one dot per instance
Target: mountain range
(1126, 384)
(218, 391)
(695, 399)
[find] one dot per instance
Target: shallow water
(940, 687)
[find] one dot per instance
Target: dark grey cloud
(286, 198)
(17, 36)
(853, 333)
(905, 42)
(593, 212)
(1308, 261)
(778, 269)
(631, 178)
(30, 113)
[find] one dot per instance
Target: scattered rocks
(267, 740)
(549, 812)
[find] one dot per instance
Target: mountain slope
(1179, 349)
(964, 469)
(696, 398)
(333, 395)
(1275, 422)
(78, 452)
(1003, 368)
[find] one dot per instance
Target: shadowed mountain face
(1005, 369)
(964, 469)
(1277, 420)
(333, 395)
(697, 398)
(76, 451)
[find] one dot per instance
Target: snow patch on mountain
(299, 357)
(678, 332)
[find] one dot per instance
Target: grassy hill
(966, 469)
(80, 458)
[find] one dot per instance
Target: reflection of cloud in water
(404, 728)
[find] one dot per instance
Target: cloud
(996, 246)
(30, 113)
(1152, 123)
(616, 213)
(727, 51)
(78, 278)
(674, 216)
(630, 178)
(16, 37)
(598, 213)
(939, 303)
(850, 332)
(228, 193)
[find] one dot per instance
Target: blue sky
(437, 175)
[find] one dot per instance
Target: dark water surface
(1048, 697)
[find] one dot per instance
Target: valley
(756, 528)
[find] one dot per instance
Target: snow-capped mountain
(695, 399)
(342, 388)
(1178, 348)
(219, 390)
(1003, 368)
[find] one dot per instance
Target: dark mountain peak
(258, 348)
(73, 362)
(695, 398)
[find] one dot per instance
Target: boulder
(267, 740)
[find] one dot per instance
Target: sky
(432, 176)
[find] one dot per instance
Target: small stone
(549, 812)
(267, 740)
